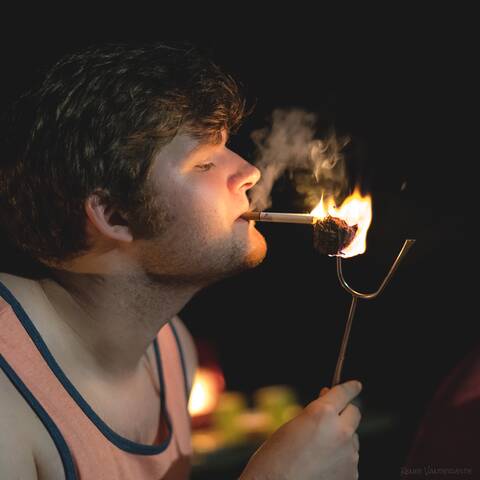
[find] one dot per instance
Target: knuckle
(344, 387)
(327, 409)
(320, 409)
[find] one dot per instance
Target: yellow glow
(205, 392)
(354, 210)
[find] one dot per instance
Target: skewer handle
(343, 348)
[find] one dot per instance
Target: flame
(356, 209)
(207, 386)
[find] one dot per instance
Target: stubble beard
(199, 262)
(185, 255)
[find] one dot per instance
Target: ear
(109, 222)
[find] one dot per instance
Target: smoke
(316, 166)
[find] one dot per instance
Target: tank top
(88, 447)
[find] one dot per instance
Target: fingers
(351, 416)
(323, 391)
(341, 395)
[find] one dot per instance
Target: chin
(213, 262)
(244, 256)
(257, 251)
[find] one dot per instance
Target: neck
(114, 319)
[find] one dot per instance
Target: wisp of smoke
(317, 166)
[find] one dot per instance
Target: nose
(245, 176)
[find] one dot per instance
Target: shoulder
(27, 450)
(25, 290)
(16, 450)
(188, 349)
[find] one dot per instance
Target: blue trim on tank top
(121, 442)
(49, 424)
(182, 359)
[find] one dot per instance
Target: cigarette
(304, 218)
(330, 234)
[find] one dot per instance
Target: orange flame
(356, 209)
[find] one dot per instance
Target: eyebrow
(208, 143)
(190, 155)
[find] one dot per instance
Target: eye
(204, 167)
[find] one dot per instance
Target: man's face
(201, 189)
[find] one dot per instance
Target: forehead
(181, 147)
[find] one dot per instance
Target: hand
(318, 444)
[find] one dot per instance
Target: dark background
(406, 106)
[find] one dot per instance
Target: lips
(245, 211)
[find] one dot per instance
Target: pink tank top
(89, 449)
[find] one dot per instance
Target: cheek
(206, 200)
(200, 202)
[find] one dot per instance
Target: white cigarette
(304, 218)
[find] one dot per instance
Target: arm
(16, 459)
(188, 348)
(16, 454)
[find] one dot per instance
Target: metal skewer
(365, 296)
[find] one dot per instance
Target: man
(117, 179)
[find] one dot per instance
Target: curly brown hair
(94, 124)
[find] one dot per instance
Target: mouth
(241, 219)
